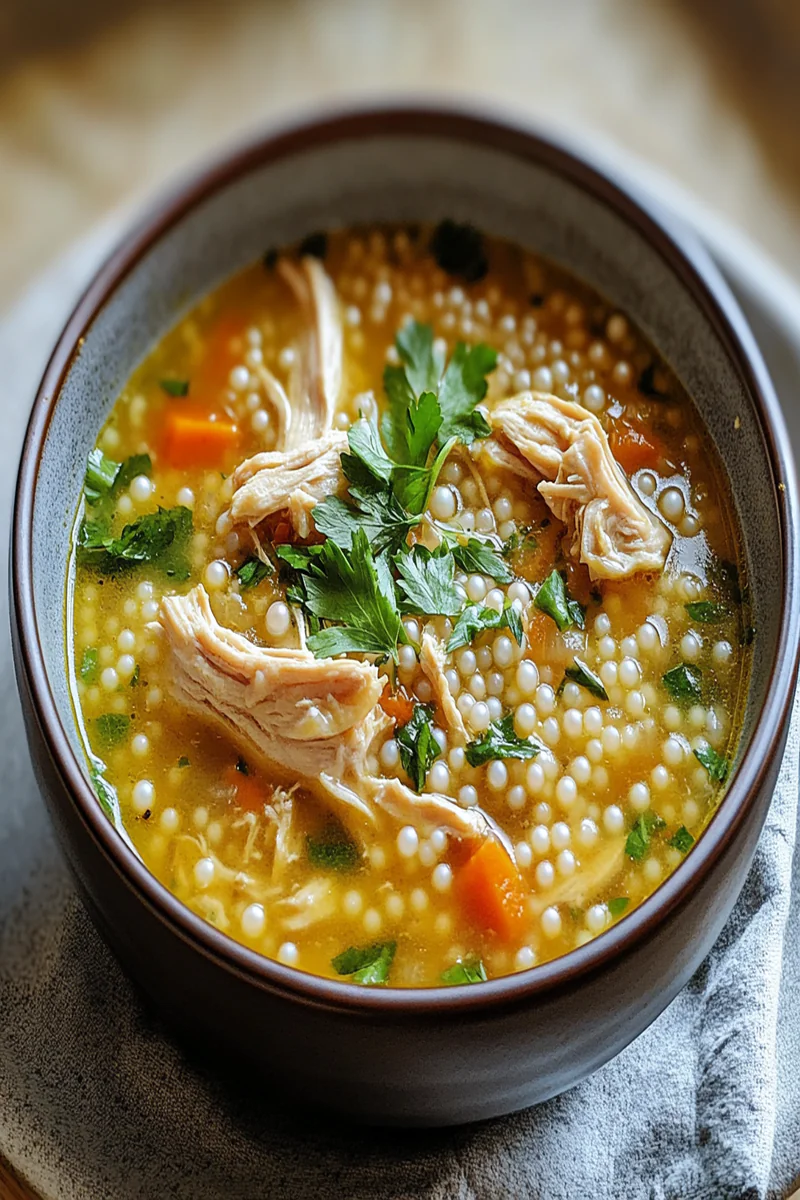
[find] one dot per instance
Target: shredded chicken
(430, 810)
(303, 714)
(286, 840)
(610, 529)
(432, 660)
(594, 876)
(316, 377)
(292, 480)
(313, 902)
(279, 400)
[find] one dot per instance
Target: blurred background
(101, 103)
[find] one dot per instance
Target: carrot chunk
(489, 891)
(250, 791)
(396, 705)
(192, 439)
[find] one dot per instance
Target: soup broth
(409, 633)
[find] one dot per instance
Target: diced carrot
(537, 631)
(396, 705)
(489, 891)
(193, 439)
(634, 449)
(222, 350)
(250, 791)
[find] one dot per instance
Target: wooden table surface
(85, 128)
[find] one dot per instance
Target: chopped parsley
(333, 850)
(579, 673)
(617, 906)
(553, 599)
(101, 474)
(160, 538)
(135, 676)
(638, 840)
(521, 539)
(89, 668)
(252, 572)
(475, 557)
(112, 729)
(183, 761)
(706, 612)
(426, 581)
(684, 683)
(475, 619)
(466, 970)
(417, 745)
(500, 741)
(106, 793)
(175, 387)
(716, 764)
(682, 840)
(366, 964)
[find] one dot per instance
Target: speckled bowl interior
(393, 177)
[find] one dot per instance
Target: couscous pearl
(629, 672)
(497, 775)
(484, 659)
(495, 683)
(672, 717)
(721, 653)
(659, 777)
(200, 817)
(427, 854)
(540, 839)
(125, 505)
(140, 745)
(466, 663)
(352, 903)
(594, 398)
(639, 797)
(278, 619)
(523, 855)
(452, 680)
(286, 358)
(596, 918)
(477, 686)
(141, 489)
(495, 599)
(672, 752)
(602, 625)
(126, 665)
(534, 777)
(634, 704)
(442, 878)
(407, 841)
(419, 900)
(580, 769)
(253, 920)
(545, 699)
(551, 731)
(516, 798)
(372, 920)
(503, 651)
(525, 720)
(608, 674)
(697, 716)
(527, 677)
(109, 680)
(543, 379)
(239, 378)
(288, 954)
(647, 637)
(439, 777)
(479, 717)
(456, 758)
(572, 722)
(612, 740)
(571, 694)
(412, 628)
(593, 720)
(691, 647)
(476, 588)
(170, 820)
(395, 906)
(545, 874)
(671, 504)
(588, 833)
(204, 872)
(606, 647)
(525, 958)
(389, 754)
(613, 819)
(216, 575)
(551, 922)
(407, 658)
(652, 870)
(259, 420)
(126, 641)
(566, 791)
(467, 796)
(443, 503)
(560, 835)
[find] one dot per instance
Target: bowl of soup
(404, 588)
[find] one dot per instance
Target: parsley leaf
(426, 581)
(106, 793)
(552, 598)
(463, 386)
(333, 851)
(466, 970)
(716, 764)
(521, 539)
(137, 464)
(423, 365)
(112, 729)
(684, 683)
(183, 761)
(579, 673)
(638, 840)
(475, 619)
(366, 964)
(477, 557)
(101, 474)
(175, 387)
(252, 572)
(707, 612)
(89, 668)
(376, 512)
(357, 591)
(500, 741)
(297, 557)
(160, 538)
(682, 840)
(417, 745)
(617, 906)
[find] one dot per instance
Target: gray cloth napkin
(96, 1102)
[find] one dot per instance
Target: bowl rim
(689, 261)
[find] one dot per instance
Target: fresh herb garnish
(426, 581)
(554, 600)
(366, 964)
(716, 764)
(706, 612)
(183, 761)
(684, 683)
(476, 619)
(522, 539)
(459, 250)
(500, 741)
(417, 745)
(252, 572)
(466, 970)
(617, 906)
(106, 793)
(160, 538)
(175, 387)
(89, 668)
(638, 841)
(297, 557)
(112, 729)
(135, 676)
(333, 850)
(477, 557)
(579, 673)
(101, 474)
(682, 840)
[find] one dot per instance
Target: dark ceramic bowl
(443, 1055)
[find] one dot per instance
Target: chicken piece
(300, 714)
(432, 662)
(316, 378)
(292, 480)
(310, 904)
(610, 529)
(427, 811)
(593, 877)
(277, 397)
(286, 840)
